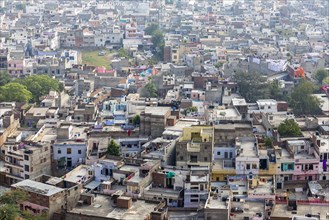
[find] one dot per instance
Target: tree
(4, 78)
(275, 91)
(113, 149)
(13, 197)
(268, 141)
(151, 90)
(289, 128)
(136, 120)
(40, 85)
(252, 86)
(9, 212)
(14, 92)
(320, 75)
(157, 39)
(123, 53)
(302, 101)
(151, 29)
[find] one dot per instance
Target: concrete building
(26, 160)
(195, 147)
(154, 120)
(48, 194)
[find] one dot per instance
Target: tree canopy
(302, 101)
(289, 128)
(9, 207)
(14, 92)
(151, 29)
(39, 85)
(321, 74)
(4, 78)
(136, 120)
(113, 148)
(252, 86)
(150, 90)
(123, 53)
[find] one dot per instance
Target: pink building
(198, 95)
(306, 160)
(16, 67)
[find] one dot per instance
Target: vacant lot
(92, 58)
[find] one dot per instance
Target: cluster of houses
(197, 149)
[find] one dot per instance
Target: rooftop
(104, 206)
(161, 111)
(37, 187)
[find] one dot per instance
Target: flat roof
(103, 206)
(157, 110)
(281, 210)
(37, 187)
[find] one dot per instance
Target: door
(69, 162)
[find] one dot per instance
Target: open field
(92, 58)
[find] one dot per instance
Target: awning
(92, 185)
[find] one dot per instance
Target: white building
(72, 152)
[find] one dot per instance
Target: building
(48, 194)
(153, 121)
(26, 160)
(195, 147)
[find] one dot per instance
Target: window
(26, 157)
(27, 176)
(59, 151)
(68, 150)
(218, 153)
(194, 158)
(248, 166)
(302, 147)
(27, 168)
(254, 166)
(181, 158)
(79, 151)
(205, 159)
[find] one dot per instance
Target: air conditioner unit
(7, 159)
(8, 170)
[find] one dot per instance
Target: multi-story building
(321, 147)
(196, 187)
(195, 147)
(26, 160)
(153, 120)
(306, 160)
(48, 195)
(247, 156)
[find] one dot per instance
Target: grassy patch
(92, 58)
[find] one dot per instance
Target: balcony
(12, 153)
(15, 176)
(194, 192)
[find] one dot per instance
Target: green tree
(151, 29)
(219, 65)
(4, 78)
(13, 197)
(320, 75)
(14, 92)
(268, 141)
(40, 85)
(275, 91)
(289, 128)
(123, 53)
(113, 149)
(136, 120)
(252, 86)
(302, 101)
(157, 39)
(9, 212)
(151, 90)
